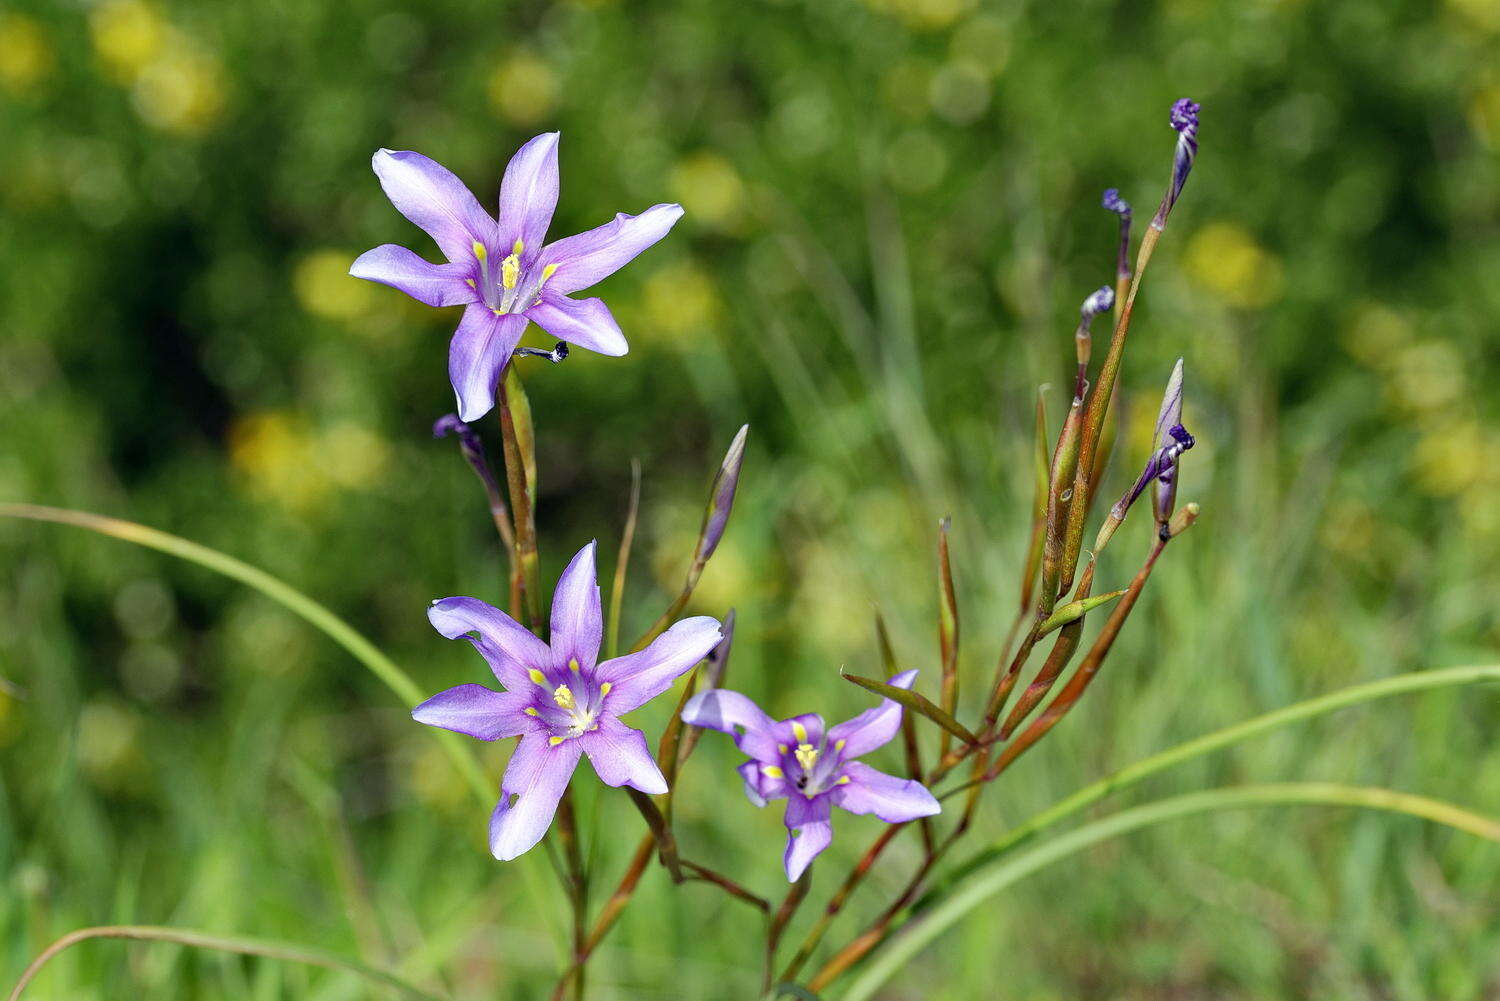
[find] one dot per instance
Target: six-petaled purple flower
(501, 271)
(813, 767)
(559, 699)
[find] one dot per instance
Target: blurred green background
(892, 214)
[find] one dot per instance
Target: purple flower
(502, 272)
(559, 699)
(1184, 119)
(813, 768)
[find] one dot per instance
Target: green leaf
(917, 703)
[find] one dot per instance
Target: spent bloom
(559, 699)
(1184, 119)
(502, 271)
(813, 767)
(1114, 203)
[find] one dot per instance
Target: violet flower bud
(1185, 120)
(472, 448)
(1101, 300)
(721, 499)
(1171, 439)
(1114, 203)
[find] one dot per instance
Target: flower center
(509, 288)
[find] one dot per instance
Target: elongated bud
(721, 498)
(1183, 520)
(471, 446)
(1185, 120)
(1102, 300)
(1169, 432)
(1114, 203)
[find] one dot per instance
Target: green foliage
(892, 214)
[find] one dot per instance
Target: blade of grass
(990, 880)
(290, 952)
(316, 614)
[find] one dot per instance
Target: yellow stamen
(838, 745)
(563, 696)
(479, 252)
(538, 677)
(843, 780)
(470, 282)
(772, 771)
(800, 731)
(573, 664)
(554, 741)
(518, 247)
(807, 756)
(604, 688)
(547, 272)
(510, 270)
(531, 711)
(782, 748)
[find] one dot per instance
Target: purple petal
(429, 195)
(809, 832)
(577, 622)
(476, 711)
(874, 727)
(536, 776)
(891, 799)
(804, 729)
(585, 322)
(1170, 414)
(528, 196)
(512, 651)
(433, 284)
(637, 678)
(478, 353)
(723, 710)
(620, 756)
(750, 772)
(590, 257)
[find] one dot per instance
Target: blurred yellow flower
(1427, 377)
(1448, 458)
(1376, 333)
(355, 456)
(323, 287)
(127, 35)
(709, 187)
(1225, 259)
(26, 57)
(109, 744)
(523, 88)
(182, 91)
(1484, 114)
(681, 300)
(279, 459)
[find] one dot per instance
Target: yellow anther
(773, 771)
(554, 741)
(573, 664)
(537, 676)
(547, 272)
(563, 696)
(604, 688)
(531, 711)
(479, 252)
(838, 745)
(518, 247)
(807, 756)
(782, 748)
(843, 780)
(470, 282)
(510, 271)
(800, 731)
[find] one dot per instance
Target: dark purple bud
(721, 499)
(1185, 120)
(472, 448)
(1114, 203)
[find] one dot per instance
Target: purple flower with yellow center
(559, 699)
(502, 271)
(813, 767)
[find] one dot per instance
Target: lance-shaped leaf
(947, 624)
(917, 703)
(1041, 484)
(1075, 610)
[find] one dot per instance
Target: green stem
(287, 951)
(991, 879)
(318, 615)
